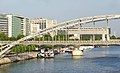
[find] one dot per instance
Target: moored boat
(46, 54)
(77, 52)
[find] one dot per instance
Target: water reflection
(77, 57)
(46, 59)
(4, 68)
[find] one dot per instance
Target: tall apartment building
(38, 24)
(13, 25)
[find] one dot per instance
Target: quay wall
(19, 57)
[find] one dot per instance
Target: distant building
(13, 25)
(38, 24)
(3, 24)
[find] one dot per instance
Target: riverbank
(18, 57)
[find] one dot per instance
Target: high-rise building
(13, 25)
(3, 24)
(38, 24)
(17, 25)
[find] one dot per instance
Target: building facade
(17, 25)
(13, 25)
(3, 24)
(38, 24)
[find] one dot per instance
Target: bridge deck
(100, 43)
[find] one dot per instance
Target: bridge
(66, 25)
(76, 43)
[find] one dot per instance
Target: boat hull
(77, 53)
(45, 55)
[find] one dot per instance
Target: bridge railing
(111, 42)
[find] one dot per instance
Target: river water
(97, 60)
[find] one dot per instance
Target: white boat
(86, 47)
(46, 54)
(77, 52)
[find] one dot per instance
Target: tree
(3, 37)
(118, 37)
(112, 37)
(20, 36)
(47, 37)
(12, 39)
(60, 37)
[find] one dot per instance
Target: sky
(63, 10)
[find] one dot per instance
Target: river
(97, 60)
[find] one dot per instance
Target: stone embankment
(19, 57)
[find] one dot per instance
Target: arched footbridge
(81, 21)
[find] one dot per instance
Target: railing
(111, 42)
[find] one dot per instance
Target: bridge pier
(108, 37)
(105, 37)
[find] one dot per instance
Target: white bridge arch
(6, 49)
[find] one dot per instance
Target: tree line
(47, 37)
(4, 37)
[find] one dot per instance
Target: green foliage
(86, 38)
(47, 37)
(12, 39)
(20, 36)
(98, 38)
(60, 37)
(3, 37)
(112, 37)
(46, 46)
(23, 48)
(118, 37)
